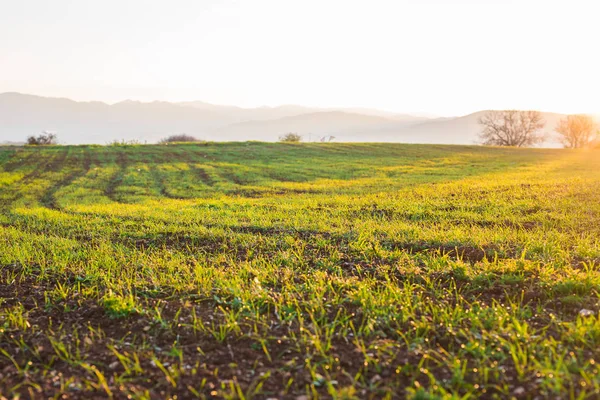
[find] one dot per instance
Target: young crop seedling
(269, 270)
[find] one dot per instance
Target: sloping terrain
(313, 126)
(255, 270)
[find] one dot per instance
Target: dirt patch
(63, 339)
(166, 354)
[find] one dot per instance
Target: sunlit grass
(271, 270)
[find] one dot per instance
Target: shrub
(45, 138)
(123, 142)
(290, 138)
(178, 138)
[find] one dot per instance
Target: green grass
(254, 270)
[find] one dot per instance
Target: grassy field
(254, 270)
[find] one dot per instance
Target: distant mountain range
(74, 122)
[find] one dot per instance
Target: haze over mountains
(23, 115)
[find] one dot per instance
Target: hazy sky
(442, 56)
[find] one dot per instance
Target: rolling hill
(459, 130)
(314, 125)
(75, 122)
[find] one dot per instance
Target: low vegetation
(182, 138)
(290, 138)
(125, 142)
(45, 138)
(255, 270)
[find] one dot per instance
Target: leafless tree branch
(512, 128)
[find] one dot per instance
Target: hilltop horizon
(204, 103)
(96, 122)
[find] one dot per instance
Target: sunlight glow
(444, 57)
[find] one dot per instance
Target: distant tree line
(512, 128)
(517, 128)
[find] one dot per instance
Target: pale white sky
(447, 57)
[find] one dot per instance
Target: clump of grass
(117, 306)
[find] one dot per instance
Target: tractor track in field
(457, 275)
(192, 162)
(49, 197)
(201, 173)
(116, 179)
(47, 164)
(160, 180)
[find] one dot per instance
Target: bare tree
(577, 131)
(512, 128)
